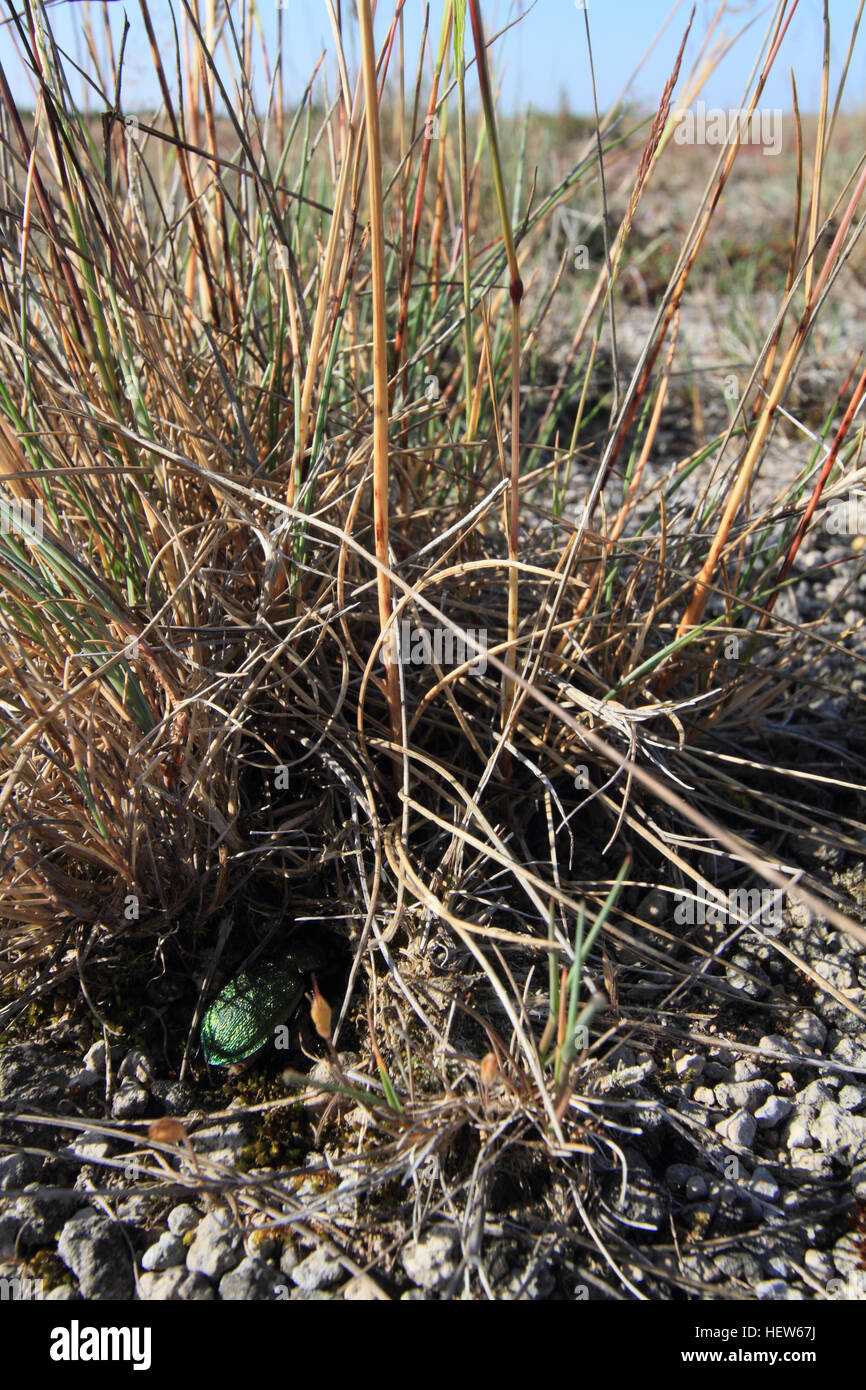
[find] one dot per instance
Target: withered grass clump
(273, 399)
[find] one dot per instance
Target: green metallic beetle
(247, 1010)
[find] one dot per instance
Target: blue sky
(545, 58)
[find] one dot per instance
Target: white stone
(739, 1129)
(774, 1110)
(431, 1262)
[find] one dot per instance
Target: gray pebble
(676, 1090)
(431, 1261)
(625, 1078)
(90, 1147)
(746, 1069)
(784, 1263)
(738, 1264)
(135, 1210)
(852, 1097)
(690, 1067)
(97, 1252)
(808, 1030)
(94, 1058)
(17, 1170)
(175, 1096)
(776, 1290)
(217, 1247)
(714, 1071)
(699, 1113)
(798, 1134)
(84, 1080)
(774, 1110)
(819, 1264)
(774, 1042)
(176, 1285)
(743, 1095)
(739, 1129)
(41, 1213)
(800, 914)
(252, 1281)
(820, 1165)
(764, 1186)
(839, 975)
(183, 1218)
(130, 1102)
(700, 1266)
(849, 1053)
(136, 1066)
(362, 1289)
(847, 1255)
(35, 1078)
(223, 1143)
(813, 1096)
(756, 987)
(320, 1270)
(840, 1133)
(168, 1251)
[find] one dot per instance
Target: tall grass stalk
(381, 475)
(515, 293)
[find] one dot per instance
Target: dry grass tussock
(259, 428)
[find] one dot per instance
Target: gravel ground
(741, 1154)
